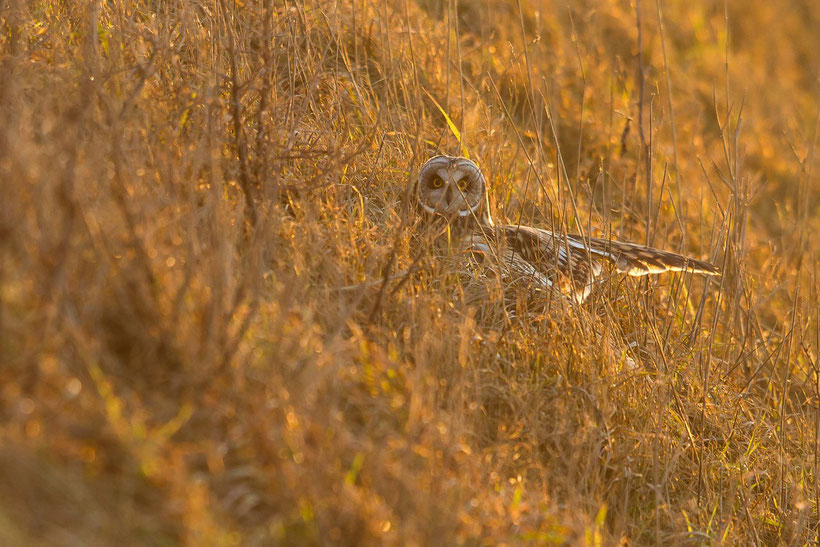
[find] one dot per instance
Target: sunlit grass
(221, 323)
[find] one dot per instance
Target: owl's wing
(638, 260)
(505, 261)
(525, 256)
(567, 265)
(495, 269)
(581, 260)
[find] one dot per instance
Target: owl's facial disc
(451, 187)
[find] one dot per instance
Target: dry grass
(208, 337)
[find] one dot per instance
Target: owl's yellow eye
(462, 185)
(437, 182)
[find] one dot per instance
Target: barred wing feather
(581, 260)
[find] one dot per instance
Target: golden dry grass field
(220, 325)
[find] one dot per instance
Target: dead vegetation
(219, 325)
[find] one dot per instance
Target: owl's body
(454, 189)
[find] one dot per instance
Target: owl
(453, 191)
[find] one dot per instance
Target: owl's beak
(448, 194)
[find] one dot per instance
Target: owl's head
(453, 187)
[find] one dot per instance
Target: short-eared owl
(454, 189)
